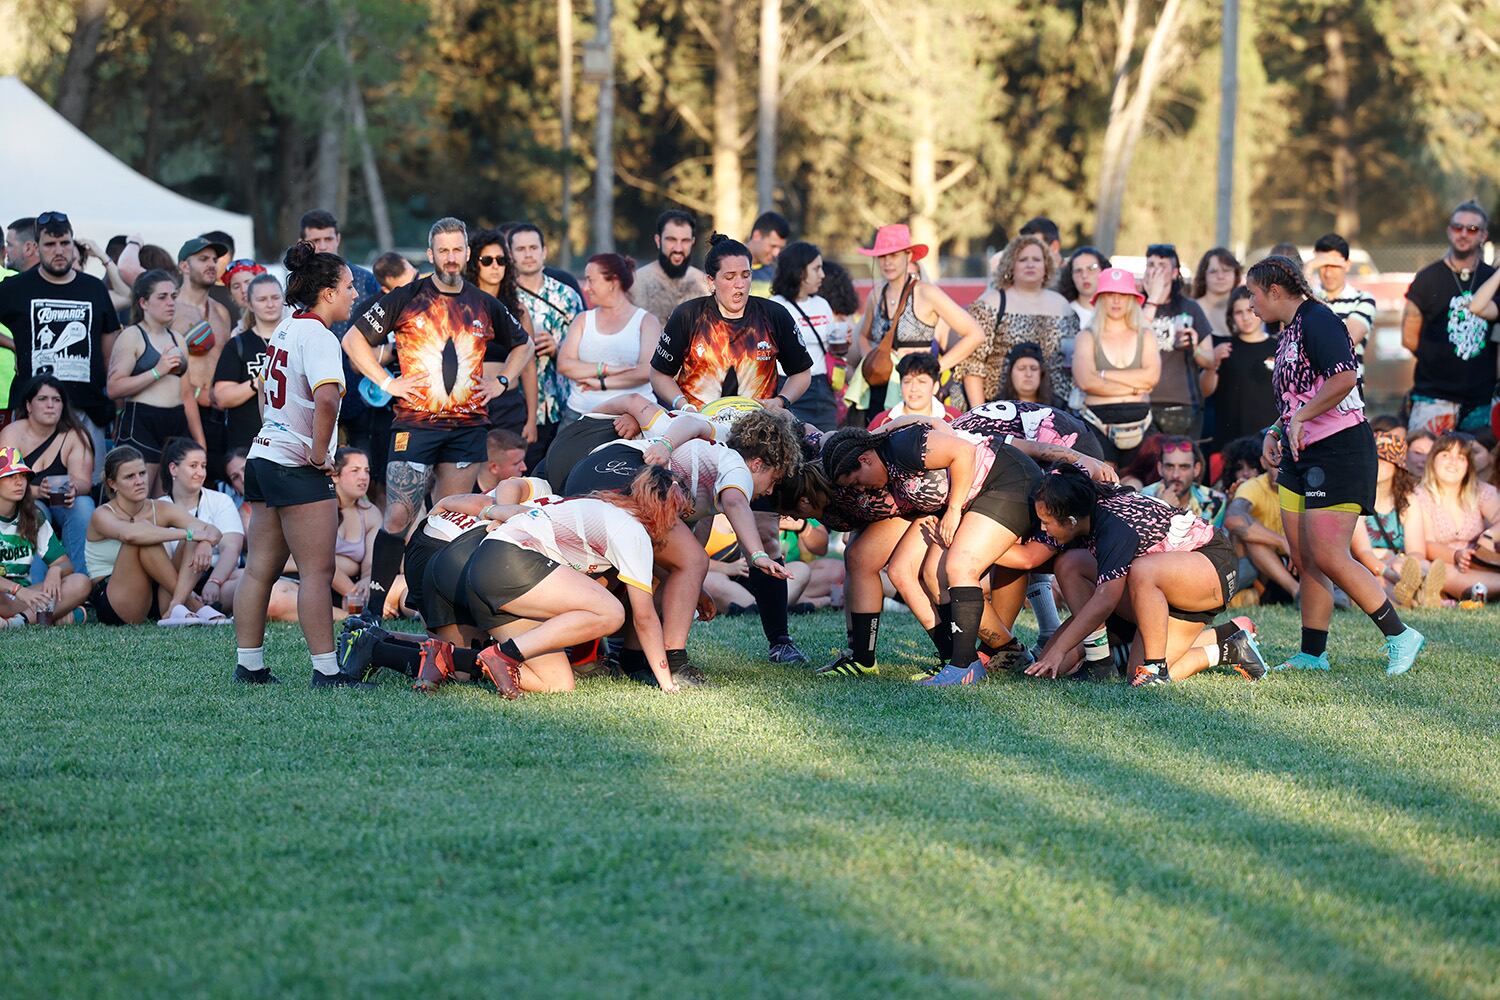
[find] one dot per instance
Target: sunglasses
(1171, 446)
(241, 262)
(486, 261)
(52, 219)
(1086, 269)
(1456, 227)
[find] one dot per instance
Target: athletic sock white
(1096, 646)
(251, 659)
(1212, 652)
(326, 663)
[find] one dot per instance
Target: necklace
(1461, 276)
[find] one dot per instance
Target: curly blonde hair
(770, 436)
(1005, 267)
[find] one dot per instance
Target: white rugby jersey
(592, 536)
(303, 354)
(446, 525)
(708, 469)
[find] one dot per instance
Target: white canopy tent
(49, 165)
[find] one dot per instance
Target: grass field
(164, 833)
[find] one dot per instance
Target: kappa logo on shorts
(402, 437)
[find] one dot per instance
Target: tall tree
(83, 48)
(769, 106)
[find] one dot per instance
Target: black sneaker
(322, 680)
(688, 675)
(784, 650)
(1245, 656)
(261, 676)
(354, 647)
(844, 665)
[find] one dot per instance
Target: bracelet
(756, 555)
(599, 370)
(485, 514)
(189, 533)
(663, 442)
(155, 375)
(1274, 430)
(677, 402)
(784, 401)
(385, 383)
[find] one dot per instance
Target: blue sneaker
(1303, 661)
(953, 675)
(1401, 651)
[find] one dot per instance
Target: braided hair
(1068, 492)
(842, 448)
(1279, 271)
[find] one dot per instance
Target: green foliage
(167, 833)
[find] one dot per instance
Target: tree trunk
(83, 49)
(328, 162)
(1340, 128)
(604, 137)
(565, 84)
(924, 193)
(770, 97)
(726, 146)
(380, 214)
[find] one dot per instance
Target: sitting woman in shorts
(1452, 521)
(184, 470)
(1167, 570)
(521, 586)
(148, 372)
(26, 537)
(134, 575)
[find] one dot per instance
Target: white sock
(326, 663)
(1096, 646)
(251, 659)
(1212, 652)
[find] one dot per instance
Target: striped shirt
(1351, 303)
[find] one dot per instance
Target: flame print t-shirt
(442, 337)
(1311, 349)
(711, 356)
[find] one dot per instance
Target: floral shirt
(552, 309)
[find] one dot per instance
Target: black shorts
(286, 485)
(440, 589)
(148, 428)
(420, 549)
(1005, 497)
(99, 598)
(572, 445)
(1220, 553)
(1337, 471)
(610, 468)
(498, 573)
(432, 446)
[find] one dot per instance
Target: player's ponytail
(309, 272)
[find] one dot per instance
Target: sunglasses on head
(52, 219)
(486, 260)
(1171, 446)
(1457, 227)
(241, 262)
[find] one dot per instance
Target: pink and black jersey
(1313, 348)
(1129, 525)
(1031, 421)
(592, 536)
(914, 486)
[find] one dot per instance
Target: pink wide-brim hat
(1117, 279)
(894, 239)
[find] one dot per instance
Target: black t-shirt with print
(1455, 356)
(59, 331)
(711, 356)
(1178, 385)
(241, 360)
(1244, 402)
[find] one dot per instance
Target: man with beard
(63, 324)
(669, 280)
(204, 325)
(445, 329)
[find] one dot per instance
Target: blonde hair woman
(1452, 515)
(1116, 365)
(1020, 306)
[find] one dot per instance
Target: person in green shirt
(25, 537)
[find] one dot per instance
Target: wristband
(663, 442)
(601, 382)
(757, 555)
(485, 514)
(677, 402)
(189, 533)
(1274, 430)
(155, 375)
(784, 401)
(599, 370)
(385, 383)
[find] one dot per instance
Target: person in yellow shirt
(1253, 520)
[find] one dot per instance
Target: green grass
(164, 833)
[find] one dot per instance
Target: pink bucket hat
(1117, 279)
(894, 239)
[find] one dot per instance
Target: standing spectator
(240, 376)
(58, 449)
(1356, 308)
(221, 292)
(552, 306)
(608, 349)
(1180, 468)
(1077, 282)
(443, 327)
(1025, 377)
(22, 251)
(1183, 336)
(148, 374)
(1116, 367)
(204, 325)
(1455, 374)
(491, 270)
(838, 290)
(919, 374)
(1046, 230)
(768, 235)
(1218, 274)
(1239, 378)
(1020, 307)
(64, 325)
(392, 270)
(671, 279)
(20, 247)
(236, 278)
(799, 275)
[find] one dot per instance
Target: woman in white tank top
(607, 352)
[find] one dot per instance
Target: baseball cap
(198, 244)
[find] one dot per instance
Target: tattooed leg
(405, 487)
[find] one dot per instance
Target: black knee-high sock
(864, 629)
(466, 660)
(770, 601)
(1314, 641)
(385, 564)
(968, 612)
(941, 634)
(399, 654)
(1389, 621)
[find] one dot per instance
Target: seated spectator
(1418, 444)
(134, 578)
(1116, 366)
(1239, 377)
(1451, 520)
(55, 445)
(233, 485)
(919, 374)
(1238, 463)
(239, 376)
(607, 351)
(1253, 520)
(184, 469)
(25, 539)
(1025, 376)
(1179, 469)
(816, 578)
(1142, 469)
(1380, 541)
